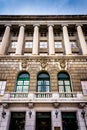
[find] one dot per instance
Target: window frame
(63, 81)
(23, 79)
(44, 87)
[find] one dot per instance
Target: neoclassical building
(43, 72)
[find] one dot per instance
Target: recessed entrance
(43, 121)
(69, 121)
(17, 121)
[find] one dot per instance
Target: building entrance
(17, 121)
(43, 121)
(69, 121)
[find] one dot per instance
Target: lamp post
(83, 116)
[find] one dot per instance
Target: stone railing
(43, 95)
(18, 95)
(67, 95)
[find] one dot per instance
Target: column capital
(52, 25)
(78, 24)
(22, 25)
(64, 24)
(36, 25)
(9, 25)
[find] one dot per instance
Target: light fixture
(3, 114)
(30, 113)
(56, 113)
(83, 114)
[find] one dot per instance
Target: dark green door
(43, 121)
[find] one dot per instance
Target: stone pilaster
(51, 40)
(35, 40)
(20, 41)
(30, 121)
(82, 40)
(5, 40)
(66, 41)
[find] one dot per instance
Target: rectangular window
(43, 44)
(13, 44)
(2, 87)
(73, 44)
(84, 87)
(28, 44)
(58, 44)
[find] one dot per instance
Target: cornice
(43, 17)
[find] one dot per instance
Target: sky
(43, 7)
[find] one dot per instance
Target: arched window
(22, 84)
(43, 82)
(64, 82)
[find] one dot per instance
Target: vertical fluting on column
(5, 40)
(51, 40)
(66, 41)
(82, 40)
(35, 40)
(20, 40)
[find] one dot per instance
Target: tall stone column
(35, 40)
(5, 40)
(66, 41)
(82, 40)
(51, 40)
(20, 40)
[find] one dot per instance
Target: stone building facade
(43, 72)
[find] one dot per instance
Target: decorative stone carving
(62, 63)
(24, 63)
(5, 105)
(56, 104)
(30, 105)
(81, 105)
(43, 63)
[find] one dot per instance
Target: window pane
(60, 82)
(14, 44)
(39, 82)
(26, 82)
(43, 44)
(61, 88)
(39, 88)
(73, 44)
(47, 82)
(19, 88)
(47, 88)
(68, 89)
(58, 44)
(2, 92)
(67, 82)
(20, 83)
(25, 88)
(28, 44)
